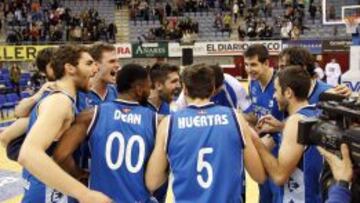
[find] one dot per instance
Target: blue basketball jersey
(304, 184)
(35, 190)
(205, 152)
(164, 108)
(319, 88)
(91, 98)
(263, 102)
(121, 139)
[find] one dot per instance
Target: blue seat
(26, 76)
(12, 99)
(23, 83)
(8, 84)
(25, 94)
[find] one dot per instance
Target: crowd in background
(32, 21)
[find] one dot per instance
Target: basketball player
(297, 168)
(301, 56)
(121, 136)
(228, 92)
(206, 145)
(73, 67)
(102, 85)
(165, 83)
(261, 92)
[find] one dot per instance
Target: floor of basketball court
(11, 185)
(11, 191)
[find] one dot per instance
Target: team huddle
(96, 132)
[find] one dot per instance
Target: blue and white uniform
(304, 183)
(232, 94)
(121, 137)
(35, 190)
(205, 151)
(91, 98)
(164, 108)
(263, 103)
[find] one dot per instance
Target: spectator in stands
(235, 11)
(241, 8)
(312, 11)
(286, 29)
(332, 13)
(112, 30)
(15, 75)
(268, 8)
(241, 33)
(168, 9)
(218, 23)
(227, 22)
(295, 33)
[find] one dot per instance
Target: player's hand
(269, 124)
(341, 90)
(342, 169)
(94, 196)
(48, 86)
(268, 141)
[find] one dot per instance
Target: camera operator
(342, 171)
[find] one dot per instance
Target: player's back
(121, 140)
(205, 150)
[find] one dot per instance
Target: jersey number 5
(204, 165)
(125, 150)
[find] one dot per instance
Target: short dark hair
(44, 57)
(258, 50)
(70, 54)
(218, 74)
(159, 72)
(300, 56)
(128, 75)
(199, 81)
(97, 50)
(297, 79)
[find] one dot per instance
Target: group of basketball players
(100, 133)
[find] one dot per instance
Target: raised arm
(156, 171)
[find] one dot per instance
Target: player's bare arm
(156, 171)
(289, 154)
(252, 159)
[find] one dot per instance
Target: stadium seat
(12, 99)
(23, 83)
(25, 94)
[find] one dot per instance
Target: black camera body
(339, 122)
